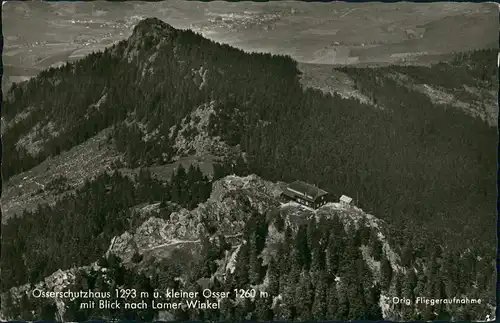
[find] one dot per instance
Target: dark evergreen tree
(386, 273)
(320, 304)
(376, 245)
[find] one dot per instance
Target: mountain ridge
(130, 103)
(168, 100)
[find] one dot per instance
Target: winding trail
(174, 242)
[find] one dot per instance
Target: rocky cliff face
(232, 200)
(60, 281)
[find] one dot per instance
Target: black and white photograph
(249, 161)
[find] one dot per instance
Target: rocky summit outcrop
(232, 201)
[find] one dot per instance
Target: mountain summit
(152, 26)
(147, 37)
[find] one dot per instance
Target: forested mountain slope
(425, 167)
(417, 158)
(333, 263)
(467, 81)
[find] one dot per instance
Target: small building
(305, 194)
(345, 200)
